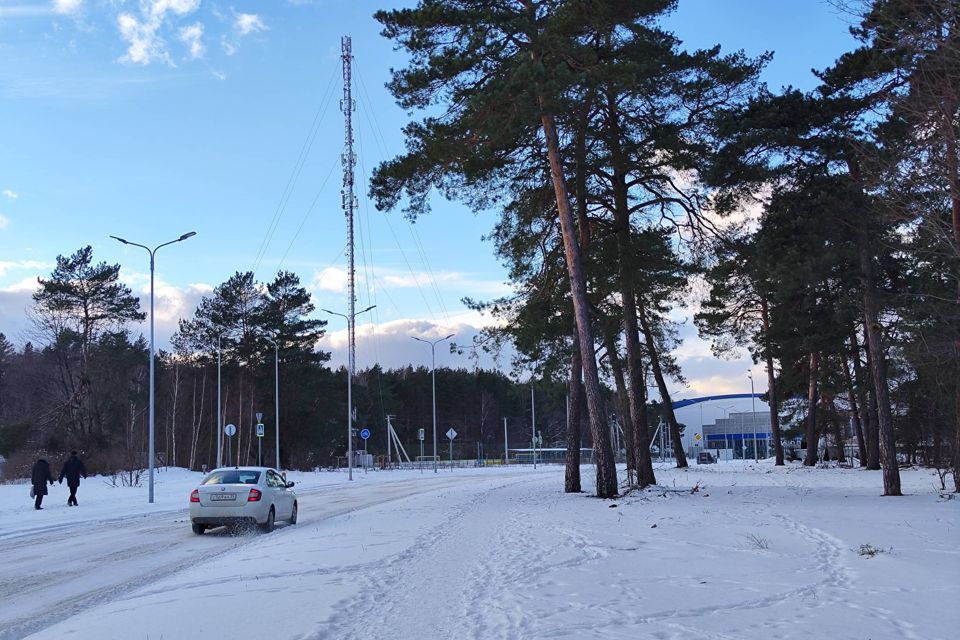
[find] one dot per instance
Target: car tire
(267, 526)
(199, 528)
(293, 514)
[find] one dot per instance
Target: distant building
(736, 434)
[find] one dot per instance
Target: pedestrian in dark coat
(72, 470)
(40, 477)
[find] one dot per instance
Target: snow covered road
(54, 571)
(755, 552)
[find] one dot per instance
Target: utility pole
(506, 446)
(533, 425)
(753, 416)
(219, 420)
(389, 452)
(276, 395)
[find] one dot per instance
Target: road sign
(259, 417)
(451, 433)
(697, 437)
(365, 434)
(420, 435)
(259, 429)
(230, 430)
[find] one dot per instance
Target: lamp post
(152, 253)
(219, 421)
(276, 393)
(726, 426)
(433, 369)
(533, 424)
(351, 319)
(753, 417)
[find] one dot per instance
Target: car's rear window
(232, 476)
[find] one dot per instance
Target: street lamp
(350, 321)
(152, 253)
(433, 369)
(276, 392)
(753, 417)
(726, 426)
(219, 422)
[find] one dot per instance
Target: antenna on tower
(349, 203)
(347, 197)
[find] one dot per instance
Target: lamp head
(120, 239)
(187, 235)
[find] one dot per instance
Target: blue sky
(150, 118)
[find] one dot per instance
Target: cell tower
(349, 203)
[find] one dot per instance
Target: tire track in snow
(394, 590)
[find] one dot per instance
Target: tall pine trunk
(623, 403)
(603, 452)
(635, 377)
(868, 400)
(571, 482)
(814, 370)
(953, 179)
(571, 478)
(836, 428)
(855, 409)
(674, 426)
(878, 362)
(771, 386)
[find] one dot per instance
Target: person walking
(40, 477)
(72, 470)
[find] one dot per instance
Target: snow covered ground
(755, 552)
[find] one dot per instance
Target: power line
(295, 172)
(306, 215)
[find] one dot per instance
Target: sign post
(259, 439)
(420, 435)
(451, 433)
(365, 434)
(230, 430)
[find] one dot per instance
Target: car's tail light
(254, 495)
(195, 496)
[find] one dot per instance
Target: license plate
(216, 497)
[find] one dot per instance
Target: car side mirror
(290, 484)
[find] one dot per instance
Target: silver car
(236, 496)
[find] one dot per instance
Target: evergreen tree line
(622, 167)
(82, 383)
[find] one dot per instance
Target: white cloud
(28, 284)
(67, 7)
(171, 302)
(330, 279)
(13, 195)
(145, 44)
(228, 47)
(191, 36)
(23, 265)
(391, 345)
(247, 23)
(219, 75)
(421, 279)
(159, 8)
(4, 222)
